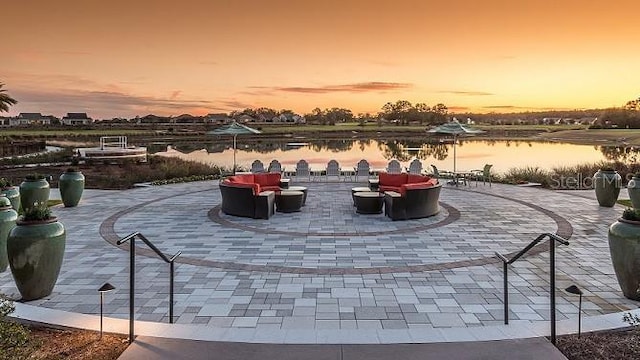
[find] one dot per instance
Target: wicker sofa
(250, 195)
(408, 196)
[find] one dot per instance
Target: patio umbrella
(234, 129)
(456, 129)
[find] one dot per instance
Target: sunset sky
(126, 58)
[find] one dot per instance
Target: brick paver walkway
(327, 267)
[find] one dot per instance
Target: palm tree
(5, 100)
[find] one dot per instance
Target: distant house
(4, 121)
(552, 121)
(588, 120)
(245, 119)
(289, 118)
(76, 119)
(152, 119)
(187, 119)
(30, 119)
(220, 118)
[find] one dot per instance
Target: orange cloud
(353, 88)
(470, 93)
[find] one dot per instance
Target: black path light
(103, 289)
(576, 291)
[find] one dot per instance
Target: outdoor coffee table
(374, 184)
(358, 189)
(284, 183)
(289, 201)
(300, 188)
(369, 202)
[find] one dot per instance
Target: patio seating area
(328, 272)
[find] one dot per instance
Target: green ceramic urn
(71, 186)
(8, 218)
(34, 189)
(35, 250)
(13, 194)
(633, 187)
(624, 245)
(607, 183)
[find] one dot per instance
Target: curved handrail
(535, 242)
(552, 276)
(150, 245)
(131, 238)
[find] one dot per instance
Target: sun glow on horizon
(127, 59)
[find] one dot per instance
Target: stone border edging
(108, 233)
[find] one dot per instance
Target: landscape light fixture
(103, 289)
(576, 291)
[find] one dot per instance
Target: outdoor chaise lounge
(394, 167)
(415, 167)
(250, 195)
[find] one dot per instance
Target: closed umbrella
(234, 129)
(456, 129)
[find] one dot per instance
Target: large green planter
(35, 250)
(34, 191)
(624, 245)
(607, 184)
(71, 186)
(8, 218)
(633, 187)
(13, 194)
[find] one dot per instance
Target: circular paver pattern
(422, 278)
(328, 237)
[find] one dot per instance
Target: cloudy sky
(126, 58)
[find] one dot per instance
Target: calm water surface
(471, 154)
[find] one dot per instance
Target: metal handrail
(552, 274)
(132, 274)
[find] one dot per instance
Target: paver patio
(327, 267)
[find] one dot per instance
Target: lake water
(471, 154)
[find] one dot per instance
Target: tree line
(403, 112)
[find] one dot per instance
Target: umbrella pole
(234, 153)
(454, 153)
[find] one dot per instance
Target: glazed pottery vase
(32, 191)
(71, 186)
(633, 187)
(624, 245)
(13, 194)
(35, 250)
(8, 218)
(607, 184)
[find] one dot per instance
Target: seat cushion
(416, 186)
(244, 179)
(412, 178)
(267, 179)
(383, 188)
(255, 187)
(392, 179)
(270, 188)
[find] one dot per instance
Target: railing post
(132, 285)
(505, 285)
(552, 284)
(171, 266)
(505, 271)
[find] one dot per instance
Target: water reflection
(472, 153)
(625, 154)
